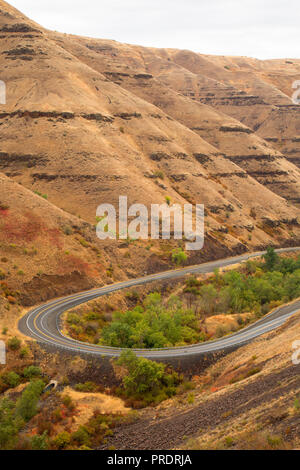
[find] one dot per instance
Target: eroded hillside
(87, 120)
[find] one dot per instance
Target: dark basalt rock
(236, 129)
(18, 28)
(145, 76)
(202, 158)
(128, 116)
(97, 117)
(157, 157)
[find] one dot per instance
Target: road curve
(43, 323)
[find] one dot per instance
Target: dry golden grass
(87, 403)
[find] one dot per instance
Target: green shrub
(86, 387)
(274, 441)
(67, 230)
(31, 372)
(133, 296)
(14, 343)
(192, 282)
(81, 437)
(228, 441)
(220, 331)
(68, 402)
(188, 386)
(24, 353)
(11, 379)
(179, 256)
(44, 196)
(40, 442)
(62, 440)
(190, 398)
(73, 318)
(57, 415)
(159, 174)
(253, 371)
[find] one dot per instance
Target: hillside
(87, 120)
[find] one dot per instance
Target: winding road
(43, 323)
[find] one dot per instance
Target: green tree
(26, 406)
(271, 259)
(40, 441)
(292, 285)
(8, 425)
(143, 375)
(209, 296)
(81, 436)
(62, 440)
(152, 325)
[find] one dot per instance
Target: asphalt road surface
(43, 323)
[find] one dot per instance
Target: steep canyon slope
(87, 120)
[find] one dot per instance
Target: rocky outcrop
(128, 116)
(158, 156)
(28, 160)
(56, 115)
(236, 129)
(18, 28)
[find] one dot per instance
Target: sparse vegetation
(67, 230)
(255, 287)
(44, 196)
(159, 174)
(86, 387)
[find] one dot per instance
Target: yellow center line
(120, 285)
(85, 347)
